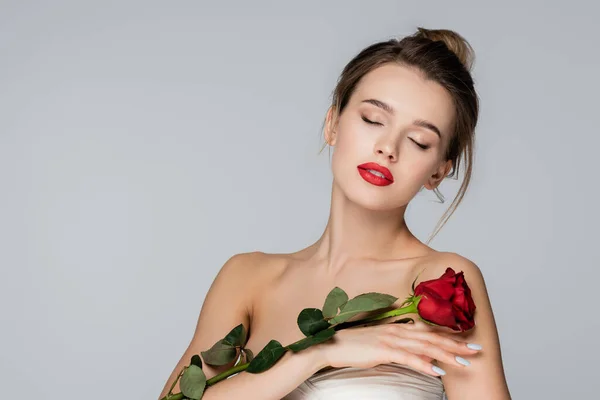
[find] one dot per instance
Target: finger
(449, 344)
(425, 357)
(427, 344)
(425, 348)
(414, 361)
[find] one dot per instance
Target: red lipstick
(366, 171)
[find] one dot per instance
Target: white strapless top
(382, 382)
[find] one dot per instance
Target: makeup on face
(375, 174)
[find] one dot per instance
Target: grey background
(143, 143)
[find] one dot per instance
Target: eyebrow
(417, 122)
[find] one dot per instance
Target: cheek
(342, 159)
(352, 138)
(347, 154)
(354, 146)
(414, 163)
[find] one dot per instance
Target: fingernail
(438, 370)
(474, 346)
(462, 360)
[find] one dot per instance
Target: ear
(439, 175)
(331, 126)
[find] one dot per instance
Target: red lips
(375, 179)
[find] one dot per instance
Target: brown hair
(442, 56)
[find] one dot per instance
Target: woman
(402, 118)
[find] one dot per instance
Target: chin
(372, 198)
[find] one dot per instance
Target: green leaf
(362, 303)
(266, 357)
(193, 382)
(237, 336)
(196, 360)
(319, 337)
(335, 299)
(220, 353)
(310, 321)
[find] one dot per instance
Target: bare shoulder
(236, 283)
(250, 269)
(460, 263)
(251, 263)
(486, 375)
(474, 279)
(253, 270)
(241, 265)
(230, 298)
(434, 265)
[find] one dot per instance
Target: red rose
(447, 301)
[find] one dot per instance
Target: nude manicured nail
(462, 360)
(438, 370)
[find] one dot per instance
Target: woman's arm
(226, 305)
(273, 384)
(484, 378)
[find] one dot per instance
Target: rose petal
(435, 309)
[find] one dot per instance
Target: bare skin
(366, 245)
(299, 280)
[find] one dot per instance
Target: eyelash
(421, 146)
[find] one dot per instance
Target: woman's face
(405, 111)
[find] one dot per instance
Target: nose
(387, 148)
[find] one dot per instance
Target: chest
(276, 307)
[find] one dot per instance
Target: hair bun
(454, 41)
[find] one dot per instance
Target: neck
(356, 233)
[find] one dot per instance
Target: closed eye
(424, 147)
(368, 121)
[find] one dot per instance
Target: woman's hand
(413, 344)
